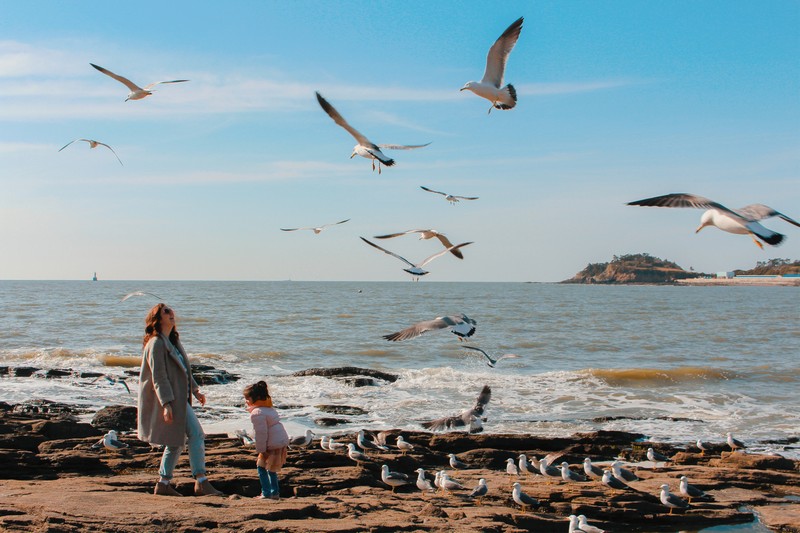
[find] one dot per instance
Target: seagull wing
(112, 151)
(70, 143)
(683, 200)
(431, 190)
(139, 293)
(393, 235)
(125, 384)
(335, 223)
(482, 400)
(421, 327)
(761, 211)
(117, 444)
(401, 258)
(446, 242)
(439, 254)
(498, 54)
(466, 197)
(337, 118)
(295, 229)
(125, 81)
(492, 362)
(148, 87)
(402, 146)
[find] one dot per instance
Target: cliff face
(637, 268)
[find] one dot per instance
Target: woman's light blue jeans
(197, 449)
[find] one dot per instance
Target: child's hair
(256, 391)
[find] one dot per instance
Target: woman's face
(168, 317)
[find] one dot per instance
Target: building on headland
(725, 275)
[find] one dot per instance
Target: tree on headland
(772, 267)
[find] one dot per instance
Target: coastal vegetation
(633, 268)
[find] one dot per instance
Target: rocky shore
(53, 480)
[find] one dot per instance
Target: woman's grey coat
(164, 380)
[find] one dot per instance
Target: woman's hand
(200, 397)
(168, 414)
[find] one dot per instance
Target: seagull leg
(756, 241)
(490, 109)
(373, 166)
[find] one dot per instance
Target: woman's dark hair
(152, 325)
(256, 391)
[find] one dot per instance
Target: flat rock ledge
(54, 481)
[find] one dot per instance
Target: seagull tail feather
(509, 98)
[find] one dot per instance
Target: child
(272, 441)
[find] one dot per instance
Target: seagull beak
(701, 226)
(461, 89)
(352, 155)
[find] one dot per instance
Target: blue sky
(617, 101)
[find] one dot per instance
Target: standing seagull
(110, 442)
(490, 85)
(303, 440)
(623, 474)
(456, 463)
(416, 271)
(422, 482)
(137, 93)
(512, 469)
(569, 475)
(94, 144)
(318, 229)
(393, 479)
(490, 360)
(480, 491)
(450, 197)
(365, 147)
(461, 325)
(591, 470)
(692, 492)
(671, 500)
(425, 234)
(613, 482)
(354, 454)
(403, 446)
(703, 446)
(743, 221)
(656, 457)
(522, 499)
(365, 444)
(735, 444)
(584, 526)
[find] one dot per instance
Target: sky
(617, 101)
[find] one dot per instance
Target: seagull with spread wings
(491, 85)
(742, 221)
(318, 229)
(365, 147)
(425, 234)
(416, 270)
(139, 293)
(460, 325)
(137, 93)
(93, 144)
(452, 198)
(469, 418)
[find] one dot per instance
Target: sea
(674, 363)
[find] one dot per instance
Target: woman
(166, 416)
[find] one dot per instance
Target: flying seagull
(491, 361)
(469, 418)
(452, 198)
(318, 229)
(94, 144)
(417, 271)
(139, 293)
(113, 380)
(137, 93)
(742, 221)
(461, 326)
(425, 234)
(490, 85)
(365, 147)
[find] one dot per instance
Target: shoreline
(57, 472)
